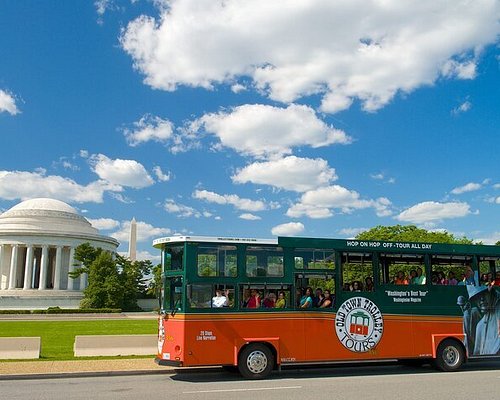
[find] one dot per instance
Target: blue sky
(311, 118)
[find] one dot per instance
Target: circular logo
(359, 324)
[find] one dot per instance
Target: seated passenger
(246, 297)
(356, 286)
(413, 277)
(400, 279)
(281, 302)
(451, 278)
(369, 287)
(254, 300)
(270, 300)
(347, 287)
(420, 279)
(327, 301)
(318, 299)
(220, 300)
(306, 300)
(496, 282)
(440, 280)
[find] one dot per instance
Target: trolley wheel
(450, 355)
(256, 361)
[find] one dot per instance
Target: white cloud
(289, 173)
(351, 232)
(180, 210)
(462, 108)
(469, 187)
(238, 87)
(104, 224)
(289, 49)
(27, 185)
(149, 128)
(249, 217)
(231, 199)
(145, 232)
(431, 211)
(264, 131)
(162, 177)
(321, 202)
(121, 172)
(8, 103)
(491, 239)
(289, 229)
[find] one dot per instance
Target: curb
(90, 374)
(87, 374)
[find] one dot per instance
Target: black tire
(256, 361)
(450, 355)
(230, 368)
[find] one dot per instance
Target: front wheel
(256, 361)
(450, 355)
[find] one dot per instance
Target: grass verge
(58, 337)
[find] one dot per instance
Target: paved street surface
(389, 382)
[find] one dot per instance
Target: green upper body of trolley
(191, 277)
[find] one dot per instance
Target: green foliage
(497, 243)
(155, 283)
(113, 281)
(410, 233)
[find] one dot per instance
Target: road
(388, 382)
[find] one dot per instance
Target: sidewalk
(40, 369)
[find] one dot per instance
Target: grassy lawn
(58, 336)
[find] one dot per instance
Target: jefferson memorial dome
(38, 238)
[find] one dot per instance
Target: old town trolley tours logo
(359, 324)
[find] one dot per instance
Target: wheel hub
(257, 362)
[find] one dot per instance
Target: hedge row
(57, 310)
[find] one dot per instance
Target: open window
(357, 272)
(402, 269)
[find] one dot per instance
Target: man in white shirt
(219, 300)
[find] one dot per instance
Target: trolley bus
(257, 305)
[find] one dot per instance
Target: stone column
(28, 268)
(13, 268)
(57, 272)
(2, 268)
(44, 262)
(83, 281)
(71, 281)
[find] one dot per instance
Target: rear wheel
(256, 361)
(450, 355)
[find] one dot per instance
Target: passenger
(306, 301)
(357, 286)
(270, 300)
(434, 278)
(319, 298)
(254, 301)
(369, 287)
(413, 277)
(451, 279)
(246, 297)
(220, 300)
(440, 278)
(400, 279)
(420, 279)
(281, 302)
(298, 295)
(346, 287)
(328, 300)
(484, 280)
(491, 281)
(496, 282)
(469, 278)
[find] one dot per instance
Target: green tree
(410, 233)
(113, 281)
(133, 280)
(497, 243)
(104, 289)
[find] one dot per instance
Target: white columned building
(38, 238)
